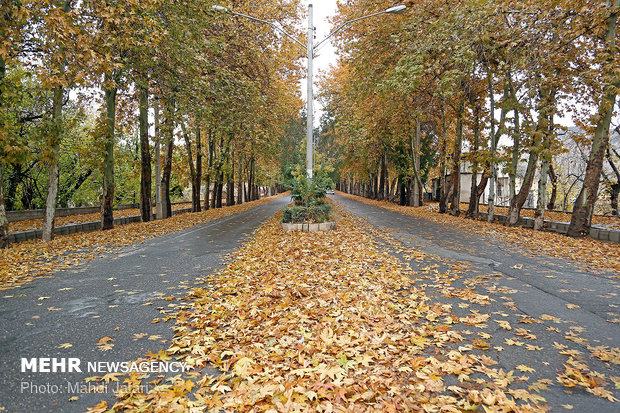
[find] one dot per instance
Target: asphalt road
(574, 309)
(119, 295)
(116, 296)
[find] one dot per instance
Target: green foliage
(309, 198)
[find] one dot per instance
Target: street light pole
(310, 99)
(310, 49)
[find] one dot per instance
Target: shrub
(309, 200)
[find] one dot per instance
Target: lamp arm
(273, 26)
(343, 25)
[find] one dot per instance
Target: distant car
(330, 191)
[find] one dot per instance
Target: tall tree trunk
(581, 219)
(473, 209)
(516, 203)
(146, 207)
(614, 189)
(514, 162)
(52, 192)
(192, 169)
(251, 191)
(214, 190)
(230, 185)
(57, 128)
(198, 178)
(539, 215)
(4, 222)
(240, 178)
(493, 143)
(455, 207)
(474, 198)
(415, 198)
(386, 177)
(382, 168)
(541, 204)
(546, 110)
(210, 149)
(158, 205)
(107, 199)
(53, 178)
(220, 188)
(401, 190)
(554, 188)
(495, 135)
(443, 191)
(165, 179)
(207, 203)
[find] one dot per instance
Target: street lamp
(310, 50)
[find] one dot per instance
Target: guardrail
(20, 236)
(598, 233)
(15, 216)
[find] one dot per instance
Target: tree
(581, 218)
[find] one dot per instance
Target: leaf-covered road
(117, 296)
(389, 313)
(542, 310)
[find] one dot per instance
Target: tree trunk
(473, 209)
(192, 169)
(539, 216)
(220, 187)
(165, 179)
(107, 199)
(494, 140)
(210, 149)
(554, 188)
(514, 163)
(474, 198)
(207, 203)
(455, 207)
(382, 173)
(401, 190)
(52, 192)
(415, 198)
(57, 128)
(146, 207)
(4, 222)
(443, 191)
(581, 219)
(493, 143)
(240, 183)
(251, 192)
(230, 185)
(544, 127)
(158, 205)
(516, 203)
(198, 178)
(613, 198)
(214, 191)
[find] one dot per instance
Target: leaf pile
(587, 252)
(80, 218)
(326, 322)
(29, 259)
